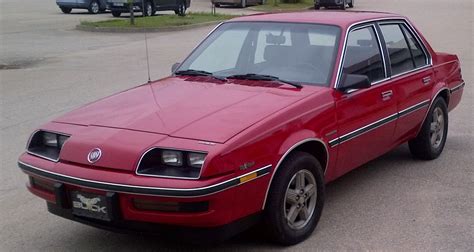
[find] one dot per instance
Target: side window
(363, 55)
(399, 53)
(419, 55)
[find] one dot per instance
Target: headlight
(171, 157)
(171, 163)
(196, 159)
(46, 144)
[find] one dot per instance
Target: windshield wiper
(192, 72)
(252, 76)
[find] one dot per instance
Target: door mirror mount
(174, 67)
(354, 81)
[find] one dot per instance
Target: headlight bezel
(151, 164)
(37, 146)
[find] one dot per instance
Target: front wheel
(116, 13)
(94, 7)
(431, 139)
(351, 4)
(65, 10)
(296, 199)
(181, 11)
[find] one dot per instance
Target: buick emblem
(94, 155)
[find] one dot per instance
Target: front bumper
(221, 196)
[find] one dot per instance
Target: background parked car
(333, 3)
(240, 3)
(93, 6)
(149, 7)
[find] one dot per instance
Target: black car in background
(93, 6)
(333, 3)
(148, 7)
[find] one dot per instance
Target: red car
(251, 126)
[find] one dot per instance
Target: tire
(243, 3)
(116, 13)
(351, 4)
(66, 10)
(94, 7)
(149, 10)
(431, 139)
(285, 186)
(181, 11)
(343, 6)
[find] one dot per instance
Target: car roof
(340, 18)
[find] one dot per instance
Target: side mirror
(174, 67)
(354, 81)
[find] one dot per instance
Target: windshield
(296, 52)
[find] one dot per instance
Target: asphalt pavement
(391, 203)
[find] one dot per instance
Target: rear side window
(400, 55)
(363, 54)
(419, 55)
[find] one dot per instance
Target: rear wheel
(431, 139)
(343, 6)
(296, 199)
(94, 7)
(116, 13)
(65, 10)
(181, 11)
(148, 9)
(316, 5)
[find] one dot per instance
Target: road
(392, 203)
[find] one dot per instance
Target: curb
(138, 30)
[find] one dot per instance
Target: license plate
(90, 205)
(118, 4)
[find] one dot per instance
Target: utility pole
(132, 14)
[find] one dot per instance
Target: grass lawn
(269, 6)
(159, 21)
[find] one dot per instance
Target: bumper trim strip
(144, 190)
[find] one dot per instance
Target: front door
(366, 117)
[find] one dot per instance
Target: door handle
(426, 80)
(387, 95)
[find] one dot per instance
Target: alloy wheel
(300, 199)
(95, 7)
(437, 128)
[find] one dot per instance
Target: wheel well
(317, 149)
(445, 95)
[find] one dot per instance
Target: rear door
(411, 74)
(366, 117)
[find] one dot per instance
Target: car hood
(189, 107)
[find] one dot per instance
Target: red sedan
(250, 126)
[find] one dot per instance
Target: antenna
(147, 57)
(146, 43)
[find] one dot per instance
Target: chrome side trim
(365, 129)
(286, 154)
(360, 131)
(456, 88)
(413, 108)
(145, 190)
(386, 20)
